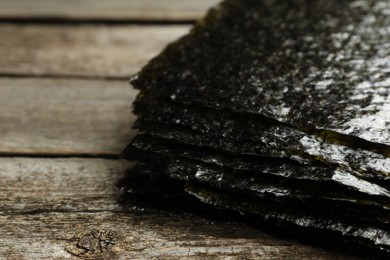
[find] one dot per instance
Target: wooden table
(65, 117)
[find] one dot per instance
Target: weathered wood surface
(67, 208)
(168, 10)
(84, 51)
(65, 116)
(62, 208)
(31, 185)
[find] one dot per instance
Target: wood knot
(95, 242)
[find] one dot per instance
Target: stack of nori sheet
(276, 109)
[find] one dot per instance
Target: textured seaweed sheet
(311, 64)
(364, 234)
(145, 191)
(143, 145)
(303, 214)
(255, 134)
(161, 196)
(252, 135)
(268, 165)
(320, 196)
(249, 150)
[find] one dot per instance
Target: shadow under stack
(275, 109)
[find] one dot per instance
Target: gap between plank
(48, 211)
(59, 76)
(59, 155)
(93, 21)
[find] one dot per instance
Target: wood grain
(170, 10)
(63, 208)
(44, 185)
(56, 208)
(65, 116)
(81, 51)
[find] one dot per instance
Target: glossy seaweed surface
(311, 64)
(364, 234)
(305, 215)
(274, 109)
(327, 197)
(224, 130)
(286, 168)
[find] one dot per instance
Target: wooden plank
(60, 208)
(53, 184)
(65, 116)
(108, 235)
(170, 10)
(85, 51)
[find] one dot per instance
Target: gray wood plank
(174, 10)
(65, 116)
(54, 184)
(81, 51)
(109, 235)
(63, 208)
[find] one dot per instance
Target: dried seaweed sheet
(145, 192)
(304, 216)
(364, 234)
(277, 109)
(233, 130)
(322, 196)
(365, 164)
(234, 147)
(138, 199)
(310, 64)
(142, 145)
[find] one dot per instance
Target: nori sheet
(310, 64)
(143, 144)
(315, 76)
(365, 234)
(303, 214)
(231, 132)
(322, 196)
(160, 195)
(143, 191)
